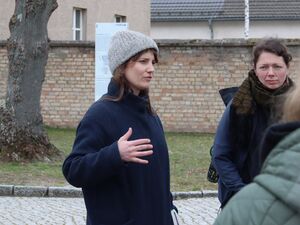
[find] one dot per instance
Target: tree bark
(21, 126)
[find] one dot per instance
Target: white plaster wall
(180, 30)
(258, 29)
(224, 29)
(137, 13)
(280, 29)
(7, 8)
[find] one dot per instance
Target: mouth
(148, 78)
(272, 82)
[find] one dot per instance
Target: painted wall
(180, 30)
(6, 11)
(137, 13)
(224, 29)
(258, 29)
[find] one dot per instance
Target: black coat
(115, 192)
(235, 154)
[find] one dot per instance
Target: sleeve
(91, 161)
(223, 154)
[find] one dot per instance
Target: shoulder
(101, 111)
(101, 107)
(286, 153)
(290, 142)
(246, 206)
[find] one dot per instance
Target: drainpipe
(246, 19)
(211, 29)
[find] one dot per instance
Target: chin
(144, 88)
(273, 87)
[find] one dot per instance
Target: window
(120, 19)
(79, 16)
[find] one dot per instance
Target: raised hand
(131, 151)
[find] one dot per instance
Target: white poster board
(104, 32)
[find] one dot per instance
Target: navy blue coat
(116, 192)
(273, 197)
(235, 154)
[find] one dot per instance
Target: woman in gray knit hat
(120, 155)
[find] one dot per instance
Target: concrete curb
(72, 192)
(194, 194)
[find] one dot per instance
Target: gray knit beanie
(125, 44)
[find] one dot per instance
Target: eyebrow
(270, 64)
(145, 58)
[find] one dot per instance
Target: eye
(264, 67)
(277, 67)
(143, 61)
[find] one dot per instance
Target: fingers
(139, 142)
(131, 151)
(141, 147)
(127, 135)
(140, 161)
(140, 150)
(141, 154)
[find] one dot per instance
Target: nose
(150, 68)
(271, 71)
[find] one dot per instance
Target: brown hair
(272, 46)
(122, 82)
(291, 107)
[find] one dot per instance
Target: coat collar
(140, 103)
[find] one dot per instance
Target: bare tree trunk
(21, 125)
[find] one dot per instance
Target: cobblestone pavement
(71, 211)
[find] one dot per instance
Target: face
(271, 70)
(140, 72)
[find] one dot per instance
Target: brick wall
(184, 91)
(69, 85)
(189, 75)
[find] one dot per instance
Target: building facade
(224, 19)
(76, 19)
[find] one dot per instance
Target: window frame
(75, 29)
(122, 19)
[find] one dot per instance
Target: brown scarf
(252, 89)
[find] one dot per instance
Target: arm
(100, 151)
(90, 161)
(223, 154)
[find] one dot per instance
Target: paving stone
(71, 211)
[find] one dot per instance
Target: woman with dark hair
(252, 109)
(274, 195)
(120, 155)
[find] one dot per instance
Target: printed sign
(104, 32)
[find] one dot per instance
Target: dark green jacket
(274, 196)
